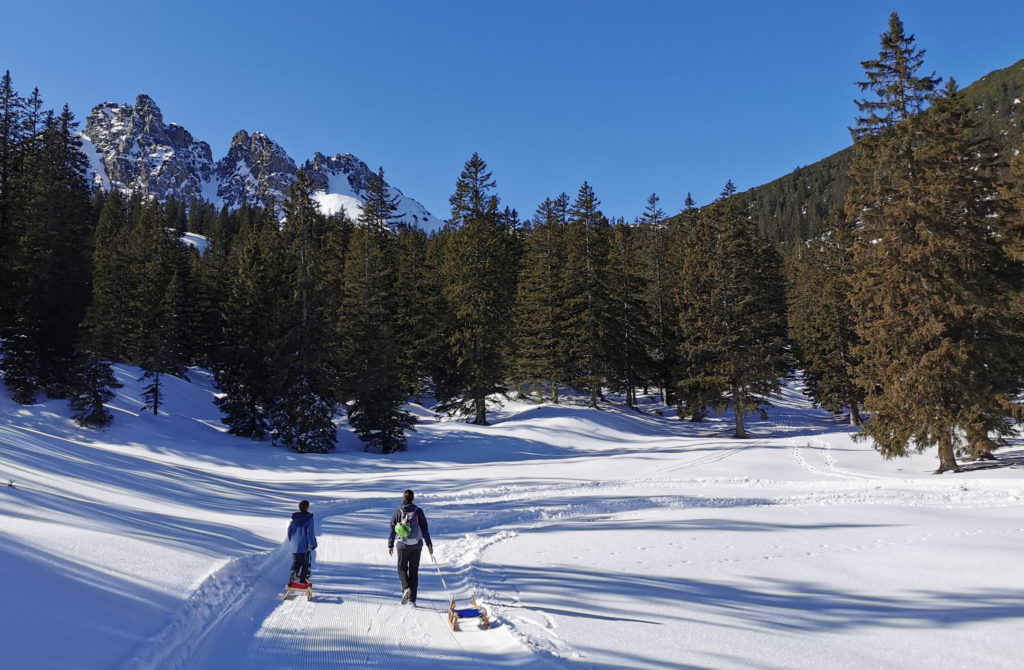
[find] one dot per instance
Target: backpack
(408, 528)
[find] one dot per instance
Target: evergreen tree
(478, 269)
(92, 387)
(250, 331)
(373, 360)
(659, 266)
(732, 314)
(538, 316)
(50, 257)
(106, 320)
(587, 340)
(629, 326)
(820, 320)
(303, 363)
(930, 281)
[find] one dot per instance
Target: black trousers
(300, 566)
(409, 569)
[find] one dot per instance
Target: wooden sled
(294, 588)
(474, 612)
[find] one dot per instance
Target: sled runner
(296, 588)
(474, 612)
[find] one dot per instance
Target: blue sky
(633, 96)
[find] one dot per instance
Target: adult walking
(302, 538)
(409, 532)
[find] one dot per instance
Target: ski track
(359, 630)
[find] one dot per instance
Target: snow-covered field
(603, 539)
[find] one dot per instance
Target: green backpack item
(407, 528)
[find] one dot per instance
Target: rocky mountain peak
(255, 170)
(139, 153)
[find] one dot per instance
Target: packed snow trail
(355, 619)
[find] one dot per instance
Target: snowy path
(354, 619)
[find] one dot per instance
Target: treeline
(907, 312)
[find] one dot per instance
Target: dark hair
(304, 506)
(407, 496)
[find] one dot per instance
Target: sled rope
(451, 598)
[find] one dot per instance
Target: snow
(609, 538)
(196, 240)
(97, 171)
(332, 203)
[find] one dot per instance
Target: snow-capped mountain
(341, 180)
(131, 148)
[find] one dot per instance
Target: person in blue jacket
(302, 538)
(410, 544)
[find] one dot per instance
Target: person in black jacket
(409, 531)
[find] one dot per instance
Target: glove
(430, 548)
(391, 550)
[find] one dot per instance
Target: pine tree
(303, 363)
(105, 322)
(373, 360)
(49, 267)
(820, 320)
(629, 327)
(250, 332)
(732, 315)
(930, 282)
(92, 387)
(538, 314)
(478, 268)
(659, 266)
(587, 340)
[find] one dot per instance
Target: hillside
(795, 206)
(607, 539)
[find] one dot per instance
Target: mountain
(131, 148)
(796, 206)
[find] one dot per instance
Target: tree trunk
(480, 404)
(593, 396)
(855, 419)
(947, 459)
(554, 392)
(738, 409)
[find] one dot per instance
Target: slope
(601, 539)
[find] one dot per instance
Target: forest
(901, 304)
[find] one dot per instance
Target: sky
(634, 97)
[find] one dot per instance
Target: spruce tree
(629, 325)
(50, 256)
(250, 331)
(303, 363)
(478, 269)
(106, 320)
(930, 281)
(731, 322)
(587, 340)
(538, 317)
(659, 266)
(373, 362)
(92, 387)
